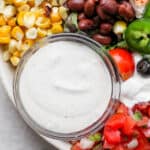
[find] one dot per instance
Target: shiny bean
(89, 8)
(86, 24)
(81, 16)
(75, 5)
(105, 28)
(102, 39)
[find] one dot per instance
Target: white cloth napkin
(136, 89)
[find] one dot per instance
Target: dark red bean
(81, 16)
(109, 6)
(86, 24)
(89, 7)
(102, 39)
(126, 11)
(105, 28)
(102, 14)
(75, 5)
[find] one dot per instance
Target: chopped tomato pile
(126, 129)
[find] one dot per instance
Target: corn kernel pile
(23, 22)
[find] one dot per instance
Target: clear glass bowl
(115, 91)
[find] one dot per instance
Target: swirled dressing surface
(65, 86)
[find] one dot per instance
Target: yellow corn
(41, 32)
(17, 33)
(6, 55)
(2, 20)
(63, 12)
(14, 60)
(13, 44)
(9, 1)
(17, 53)
(5, 30)
(31, 33)
(26, 45)
(12, 22)
(9, 11)
(24, 7)
(20, 18)
(54, 3)
(19, 2)
(43, 22)
(55, 16)
(29, 19)
(38, 2)
(37, 11)
(31, 3)
(56, 28)
(4, 40)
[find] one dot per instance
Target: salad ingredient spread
(72, 87)
(127, 129)
(124, 62)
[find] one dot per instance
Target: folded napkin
(136, 89)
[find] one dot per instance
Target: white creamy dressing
(65, 86)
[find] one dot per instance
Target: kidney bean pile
(100, 15)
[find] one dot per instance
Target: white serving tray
(6, 77)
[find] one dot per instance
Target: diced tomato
(119, 147)
(143, 122)
(107, 145)
(76, 146)
(116, 121)
(143, 143)
(112, 136)
(146, 132)
(148, 111)
(129, 125)
(122, 109)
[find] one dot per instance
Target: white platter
(6, 77)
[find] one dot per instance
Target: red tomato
(112, 136)
(129, 125)
(119, 147)
(76, 146)
(143, 122)
(149, 111)
(122, 109)
(124, 61)
(116, 121)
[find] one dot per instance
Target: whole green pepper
(137, 35)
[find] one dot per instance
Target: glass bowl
(115, 87)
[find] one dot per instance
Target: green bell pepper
(147, 11)
(137, 35)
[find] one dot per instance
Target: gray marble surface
(14, 133)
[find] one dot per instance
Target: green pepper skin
(147, 11)
(137, 35)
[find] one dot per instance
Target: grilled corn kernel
(29, 19)
(56, 28)
(49, 32)
(6, 55)
(12, 21)
(31, 3)
(31, 33)
(119, 27)
(20, 18)
(2, 20)
(9, 11)
(43, 22)
(12, 45)
(26, 45)
(17, 33)
(14, 60)
(17, 53)
(41, 32)
(24, 7)
(5, 30)
(54, 3)
(63, 12)
(4, 40)
(55, 16)
(19, 2)
(37, 11)
(9, 1)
